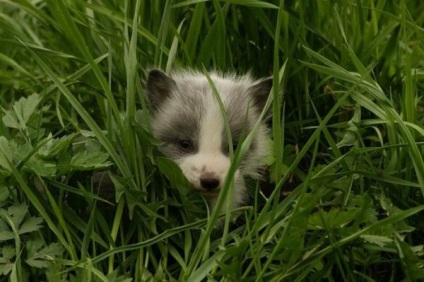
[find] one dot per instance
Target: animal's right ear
(159, 87)
(260, 92)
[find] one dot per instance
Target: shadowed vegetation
(86, 196)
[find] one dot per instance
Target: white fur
(185, 108)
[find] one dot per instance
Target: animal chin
(207, 193)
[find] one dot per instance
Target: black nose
(209, 182)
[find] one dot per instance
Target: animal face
(187, 118)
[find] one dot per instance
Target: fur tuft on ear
(260, 92)
(159, 87)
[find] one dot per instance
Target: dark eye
(235, 145)
(227, 149)
(186, 145)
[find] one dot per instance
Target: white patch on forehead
(212, 122)
(211, 126)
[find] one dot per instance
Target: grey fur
(183, 112)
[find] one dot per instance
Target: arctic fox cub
(187, 118)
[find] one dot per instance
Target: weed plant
(86, 196)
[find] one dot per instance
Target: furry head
(187, 118)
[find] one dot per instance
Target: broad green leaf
(34, 163)
(85, 160)
(41, 167)
(174, 174)
(4, 194)
(120, 184)
(21, 112)
(349, 139)
(22, 223)
(8, 252)
(32, 246)
(6, 235)
(43, 257)
(55, 145)
(391, 209)
(333, 219)
(30, 224)
(16, 214)
(6, 259)
(379, 240)
(5, 267)
(8, 151)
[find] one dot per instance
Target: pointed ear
(260, 92)
(159, 87)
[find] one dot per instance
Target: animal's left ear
(260, 92)
(159, 87)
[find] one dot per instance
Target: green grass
(85, 195)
